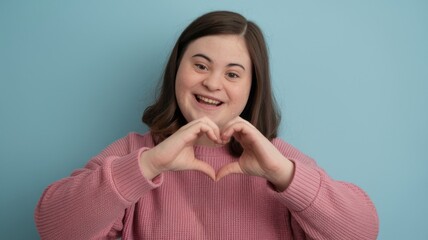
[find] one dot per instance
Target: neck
(205, 141)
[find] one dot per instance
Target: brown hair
(164, 116)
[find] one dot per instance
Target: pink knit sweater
(110, 198)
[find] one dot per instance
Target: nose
(213, 82)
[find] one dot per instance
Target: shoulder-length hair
(164, 116)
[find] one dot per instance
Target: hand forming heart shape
(259, 158)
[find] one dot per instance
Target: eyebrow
(210, 61)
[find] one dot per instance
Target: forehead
(229, 48)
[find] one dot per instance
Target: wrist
(283, 178)
(147, 168)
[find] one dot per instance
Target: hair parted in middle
(164, 117)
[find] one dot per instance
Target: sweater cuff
(302, 190)
(128, 178)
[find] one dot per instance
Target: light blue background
(351, 78)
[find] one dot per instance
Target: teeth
(208, 100)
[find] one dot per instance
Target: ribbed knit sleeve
(128, 179)
(91, 203)
(325, 208)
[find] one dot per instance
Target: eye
(201, 67)
(232, 75)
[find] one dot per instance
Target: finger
(214, 127)
(232, 122)
(209, 132)
(193, 131)
(236, 129)
(241, 130)
(227, 169)
(208, 127)
(203, 167)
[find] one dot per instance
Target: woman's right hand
(176, 152)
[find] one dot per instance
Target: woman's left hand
(259, 158)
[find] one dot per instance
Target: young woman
(211, 166)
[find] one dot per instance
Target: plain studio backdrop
(351, 78)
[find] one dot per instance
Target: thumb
(204, 167)
(227, 169)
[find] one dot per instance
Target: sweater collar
(221, 150)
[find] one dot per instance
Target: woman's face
(214, 78)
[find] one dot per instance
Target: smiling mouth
(208, 101)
